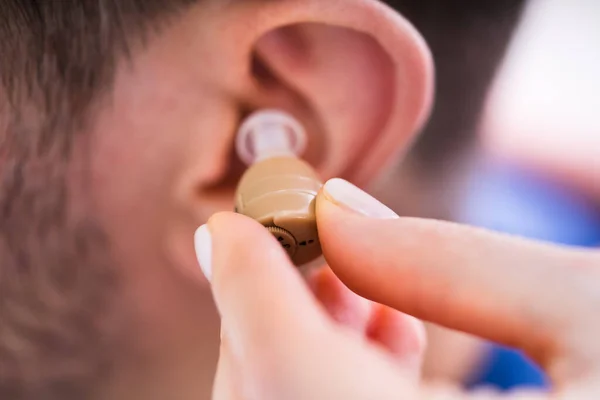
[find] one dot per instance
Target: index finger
(506, 289)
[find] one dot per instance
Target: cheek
(139, 148)
(133, 167)
(141, 145)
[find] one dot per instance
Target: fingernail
(345, 194)
(203, 246)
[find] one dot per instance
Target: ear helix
(279, 189)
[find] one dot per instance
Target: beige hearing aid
(279, 189)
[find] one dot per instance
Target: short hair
(57, 57)
(65, 51)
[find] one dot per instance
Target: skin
(540, 298)
(170, 124)
(168, 127)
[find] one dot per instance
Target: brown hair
(57, 324)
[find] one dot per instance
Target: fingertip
(239, 242)
(233, 223)
(204, 249)
(336, 225)
(349, 197)
(327, 207)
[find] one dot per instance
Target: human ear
(356, 74)
(364, 83)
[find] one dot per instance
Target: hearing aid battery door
(280, 193)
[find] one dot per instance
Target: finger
(256, 288)
(343, 305)
(400, 335)
(279, 335)
(227, 380)
(505, 289)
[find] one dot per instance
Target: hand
(279, 342)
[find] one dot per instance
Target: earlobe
(357, 75)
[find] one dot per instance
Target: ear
(362, 72)
(354, 72)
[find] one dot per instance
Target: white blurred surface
(544, 107)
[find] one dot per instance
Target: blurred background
(513, 144)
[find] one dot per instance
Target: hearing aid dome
(270, 133)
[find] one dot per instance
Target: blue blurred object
(511, 200)
(507, 369)
(517, 202)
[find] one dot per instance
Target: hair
(58, 326)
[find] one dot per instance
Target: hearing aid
(279, 189)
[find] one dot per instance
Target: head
(117, 124)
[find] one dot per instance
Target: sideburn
(59, 331)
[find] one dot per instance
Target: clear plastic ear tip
(270, 133)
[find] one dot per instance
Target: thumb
(280, 338)
(256, 288)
